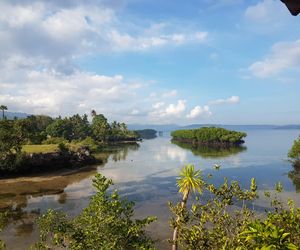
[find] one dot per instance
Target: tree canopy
(209, 135)
(294, 152)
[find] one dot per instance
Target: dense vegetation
(18, 136)
(105, 224)
(147, 133)
(12, 136)
(209, 136)
(294, 153)
(223, 217)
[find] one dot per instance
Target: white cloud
(60, 33)
(264, 10)
(283, 56)
(41, 42)
(53, 93)
(167, 112)
(176, 109)
(261, 17)
(231, 100)
(158, 105)
(199, 111)
(127, 42)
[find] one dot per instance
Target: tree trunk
(175, 232)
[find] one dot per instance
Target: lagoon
(146, 173)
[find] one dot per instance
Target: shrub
(88, 142)
(223, 218)
(105, 224)
(294, 152)
(63, 147)
(54, 140)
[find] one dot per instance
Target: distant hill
(157, 127)
(172, 127)
(288, 127)
(231, 127)
(12, 115)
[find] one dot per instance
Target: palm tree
(3, 107)
(189, 180)
(93, 113)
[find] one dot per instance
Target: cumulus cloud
(41, 42)
(284, 55)
(54, 93)
(231, 100)
(199, 111)
(49, 31)
(176, 109)
(168, 112)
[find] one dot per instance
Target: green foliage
(69, 128)
(100, 128)
(190, 180)
(294, 152)
(88, 142)
(146, 133)
(54, 140)
(59, 128)
(221, 218)
(35, 126)
(209, 135)
(62, 147)
(12, 136)
(105, 224)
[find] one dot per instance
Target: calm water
(146, 174)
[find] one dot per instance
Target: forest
(22, 139)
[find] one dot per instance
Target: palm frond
(190, 179)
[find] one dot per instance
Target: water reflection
(25, 198)
(120, 152)
(16, 192)
(211, 152)
(146, 173)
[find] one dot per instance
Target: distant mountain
(171, 127)
(288, 127)
(12, 115)
(231, 127)
(157, 127)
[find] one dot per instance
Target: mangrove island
(209, 136)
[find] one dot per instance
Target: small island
(209, 136)
(146, 133)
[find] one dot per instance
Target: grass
(47, 148)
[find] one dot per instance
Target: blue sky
(152, 61)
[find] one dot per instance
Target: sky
(152, 61)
